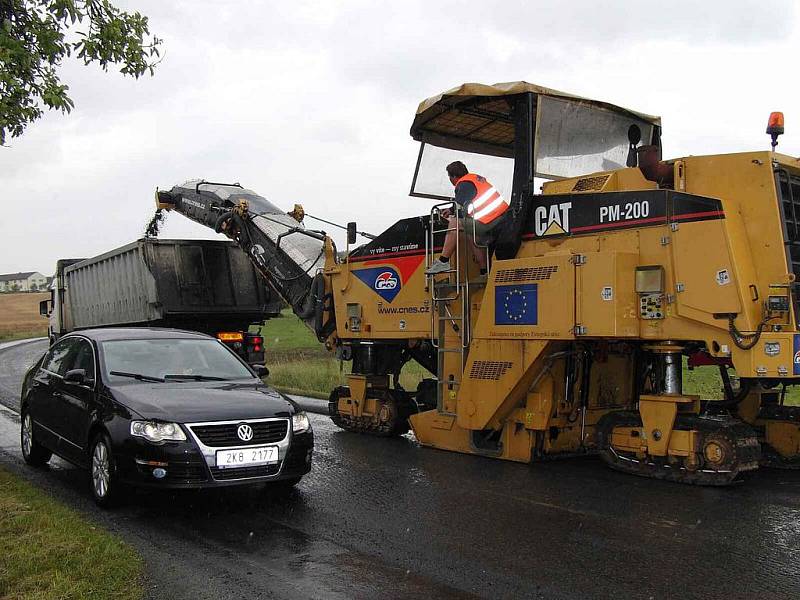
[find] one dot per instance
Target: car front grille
(245, 472)
(225, 435)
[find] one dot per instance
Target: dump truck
(605, 281)
(207, 286)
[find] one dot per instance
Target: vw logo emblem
(245, 432)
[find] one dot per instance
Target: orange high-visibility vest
(488, 204)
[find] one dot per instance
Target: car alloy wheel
(33, 453)
(100, 470)
(27, 435)
(104, 485)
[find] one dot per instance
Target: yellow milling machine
(600, 289)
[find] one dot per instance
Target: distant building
(23, 282)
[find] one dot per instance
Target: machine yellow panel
(774, 356)
(531, 298)
(746, 184)
(609, 181)
(391, 294)
(705, 280)
(496, 374)
(606, 302)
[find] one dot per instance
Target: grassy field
(50, 552)
(19, 316)
(707, 383)
(287, 333)
(299, 364)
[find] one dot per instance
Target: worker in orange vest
(484, 206)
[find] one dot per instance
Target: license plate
(247, 457)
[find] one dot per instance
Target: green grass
(299, 364)
(287, 332)
(707, 383)
(317, 376)
(703, 381)
(50, 552)
(10, 336)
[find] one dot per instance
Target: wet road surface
(389, 518)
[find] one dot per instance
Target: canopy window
(566, 135)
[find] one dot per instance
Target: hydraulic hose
(223, 218)
(745, 341)
(732, 399)
(313, 299)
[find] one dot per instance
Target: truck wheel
(104, 481)
(34, 453)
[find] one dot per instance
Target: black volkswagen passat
(160, 407)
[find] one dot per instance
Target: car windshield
(170, 359)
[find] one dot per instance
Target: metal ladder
(444, 296)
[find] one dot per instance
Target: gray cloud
(311, 102)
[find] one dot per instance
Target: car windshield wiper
(196, 377)
(138, 376)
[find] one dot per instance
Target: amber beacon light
(775, 127)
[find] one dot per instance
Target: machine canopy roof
(477, 118)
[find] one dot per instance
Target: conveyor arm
(289, 256)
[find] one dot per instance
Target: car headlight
(156, 432)
(300, 422)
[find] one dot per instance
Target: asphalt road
(387, 518)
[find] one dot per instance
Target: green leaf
(33, 46)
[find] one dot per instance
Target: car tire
(33, 452)
(103, 479)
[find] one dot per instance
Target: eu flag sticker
(516, 304)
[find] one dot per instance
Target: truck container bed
(202, 285)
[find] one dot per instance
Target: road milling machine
(601, 288)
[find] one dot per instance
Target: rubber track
(367, 425)
(741, 437)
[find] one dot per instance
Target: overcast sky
(311, 102)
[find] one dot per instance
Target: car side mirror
(351, 232)
(75, 376)
(44, 308)
(261, 370)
